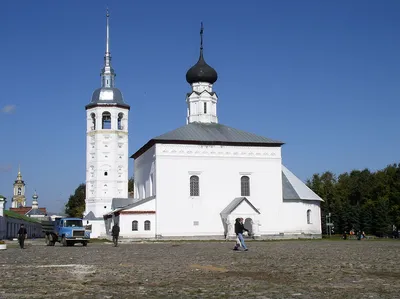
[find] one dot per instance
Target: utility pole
(329, 224)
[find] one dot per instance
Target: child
(239, 228)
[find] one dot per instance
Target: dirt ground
(275, 269)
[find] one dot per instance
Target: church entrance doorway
(248, 224)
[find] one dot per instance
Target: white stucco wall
(106, 152)
(219, 169)
(138, 214)
(126, 226)
(2, 204)
(98, 228)
(145, 173)
(295, 217)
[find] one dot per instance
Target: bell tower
(106, 142)
(18, 199)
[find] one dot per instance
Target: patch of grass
(15, 215)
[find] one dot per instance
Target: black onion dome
(201, 72)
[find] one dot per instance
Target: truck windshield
(73, 223)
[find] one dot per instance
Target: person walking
(22, 235)
(115, 234)
(239, 228)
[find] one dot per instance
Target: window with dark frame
(308, 216)
(93, 121)
(120, 116)
(245, 186)
(194, 185)
(134, 225)
(147, 225)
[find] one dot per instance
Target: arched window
(194, 185)
(245, 186)
(19, 190)
(106, 120)
(205, 107)
(308, 216)
(120, 117)
(93, 121)
(134, 225)
(147, 225)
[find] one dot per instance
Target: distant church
(18, 203)
(194, 181)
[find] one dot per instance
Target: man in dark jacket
(239, 228)
(22, 235)
(115, 234)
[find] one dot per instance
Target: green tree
(324, 185)
(360, 199)
(383, 222)
(131, 183)
(75, 206)
(368, 217)
(395, 215)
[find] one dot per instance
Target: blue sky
(322, 76)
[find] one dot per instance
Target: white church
(191, 182)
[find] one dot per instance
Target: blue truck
(67, 231)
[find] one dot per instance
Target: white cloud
(5, 168)
(8, 109)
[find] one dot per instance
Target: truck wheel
(84, 243)
(64, 241)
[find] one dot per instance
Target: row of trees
(360, 200)
(75, 206)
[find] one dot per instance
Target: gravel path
(279, 269)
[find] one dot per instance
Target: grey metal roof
(234, 204)
(107, 96)
(209, 133)
(214, 132)
(121, 202)
(135, 203)
(35, 212)
(294, 189)
(92, 216)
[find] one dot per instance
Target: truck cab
(71, 231)
(67, 231)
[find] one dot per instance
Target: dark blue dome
(201, 72)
